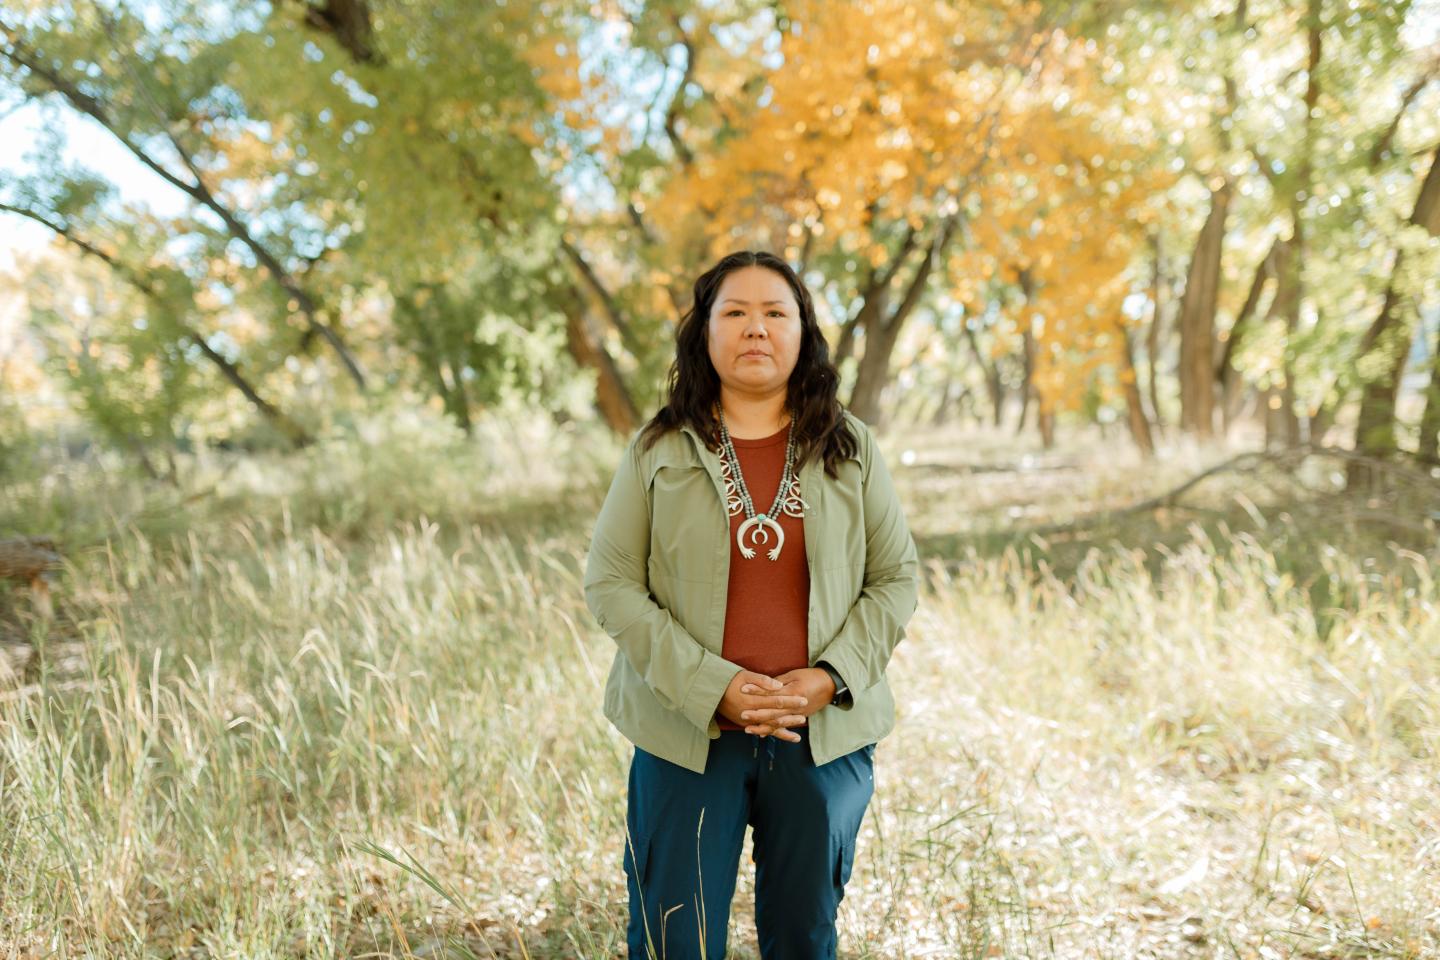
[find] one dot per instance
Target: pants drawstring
(770, 749)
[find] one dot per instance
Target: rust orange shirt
(767, 604)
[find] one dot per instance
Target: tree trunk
(866, 319)
(846, 345)
(612, 399)
(1139, 424)
(882, 332)
(1226, 376)
(1027, 339)
(1290, 289)
(1386, 343)
(874, 370)
(1276, 430)
(872, 304)
(1152, 335)
(956, 396)
(994, 385)
(1286, 306)
(1430, 419)
(1045, 419)
(1027, 370)
(1323, 420)
(1196, 315)
(1197, 320)
(431, 356)
(457, 400)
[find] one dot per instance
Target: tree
(1387, 341)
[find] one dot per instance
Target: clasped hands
(771, 705)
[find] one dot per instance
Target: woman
(752, 563)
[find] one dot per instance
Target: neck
(750, 417)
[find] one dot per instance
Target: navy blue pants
(687, 830)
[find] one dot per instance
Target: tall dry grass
(280, 731)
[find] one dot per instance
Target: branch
(1382, 145)
(672, 111)
(916, 290)
(1242, 461)
(228, 370)
(348, 21)
(22, 54)
(607, 302)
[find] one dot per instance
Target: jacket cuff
(706, 691)
(838, 665)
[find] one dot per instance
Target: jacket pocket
(684, 512)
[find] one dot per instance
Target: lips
(755, 353)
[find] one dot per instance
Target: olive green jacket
(657, 574)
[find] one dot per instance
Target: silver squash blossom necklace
(757, 526)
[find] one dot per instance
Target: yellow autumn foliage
(885, 115)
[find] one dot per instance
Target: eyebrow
(746, 303)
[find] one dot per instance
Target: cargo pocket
(644, 929)
(638, 859)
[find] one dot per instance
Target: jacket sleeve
(861, 648)
(682, 673)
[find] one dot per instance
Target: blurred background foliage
(1104, 230)
(1196, 218)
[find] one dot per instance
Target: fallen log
(28, 558)
(32, 561)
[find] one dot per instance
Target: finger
(773, 730)
(765, 714)
(777, 724)
(786, 702)
(769, 727)
(781, 701)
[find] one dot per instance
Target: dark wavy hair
(694, 387)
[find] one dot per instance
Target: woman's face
(754, 331)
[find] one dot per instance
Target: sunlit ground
(246, 734)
